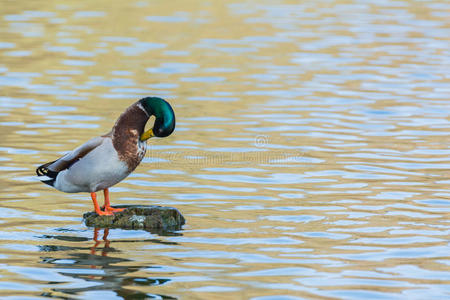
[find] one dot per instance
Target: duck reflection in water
(95, 271)
(97, 243)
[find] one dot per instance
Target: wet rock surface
(151, 218)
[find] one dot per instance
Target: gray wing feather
(72, 157)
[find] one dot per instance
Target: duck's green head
(165, 117)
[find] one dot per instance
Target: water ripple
(310, 157)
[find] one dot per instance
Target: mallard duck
(106, 160)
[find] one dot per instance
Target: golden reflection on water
(310, 157)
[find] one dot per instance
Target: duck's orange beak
(146, 135)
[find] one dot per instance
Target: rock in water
(151, 218)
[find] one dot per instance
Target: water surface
(310, 158)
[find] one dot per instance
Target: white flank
(99, 169)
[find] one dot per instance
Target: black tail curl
(45, 171)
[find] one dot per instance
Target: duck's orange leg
(97, 207)
(107, 206)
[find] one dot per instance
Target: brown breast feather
(126, 134)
